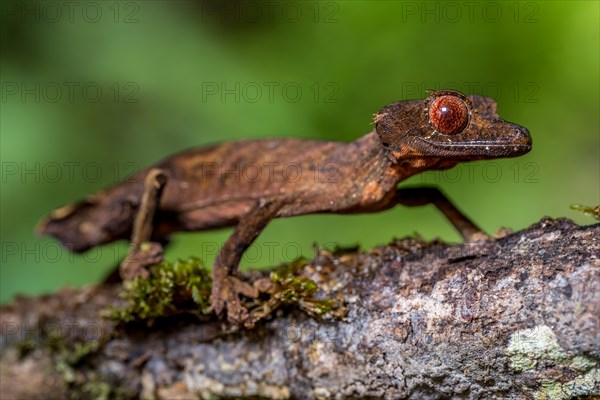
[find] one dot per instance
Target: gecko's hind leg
(226, 287)
(144, 253)
(431, 195)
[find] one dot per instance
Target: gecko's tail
(102, 218)
(72, 227)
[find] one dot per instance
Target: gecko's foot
(226, 294)
(479, 236)
(137, 261)
(502, 232)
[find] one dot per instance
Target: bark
(517, 317)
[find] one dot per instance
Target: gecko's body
(248, 183)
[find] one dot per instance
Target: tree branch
(517, 317)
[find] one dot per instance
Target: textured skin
(212, 187)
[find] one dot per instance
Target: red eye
(448, 114)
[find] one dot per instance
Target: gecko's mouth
(510, 145)
(482, 143)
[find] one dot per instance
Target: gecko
(246, 184)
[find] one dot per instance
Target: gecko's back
(207, 187)
(241, 171)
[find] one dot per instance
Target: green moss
(72, 361)
(290, 288)
(25, 346)
(70, 355)
(185, 285)
(79, 351)
(172, 288)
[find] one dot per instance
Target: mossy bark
(517, 317)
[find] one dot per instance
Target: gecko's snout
(522, 139)
(522, 136)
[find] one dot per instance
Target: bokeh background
(93, 91)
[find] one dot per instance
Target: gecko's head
(451, 126)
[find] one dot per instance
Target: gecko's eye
(448, 114)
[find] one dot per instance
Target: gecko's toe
(478, 237)
(502, 232)
(228, 296)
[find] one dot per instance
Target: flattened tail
(60, 224)
(83, 225)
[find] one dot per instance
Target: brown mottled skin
(248, 183)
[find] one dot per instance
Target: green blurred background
(94, 91)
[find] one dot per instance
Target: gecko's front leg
(144, 253)
(226, 287)
(424, 195)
